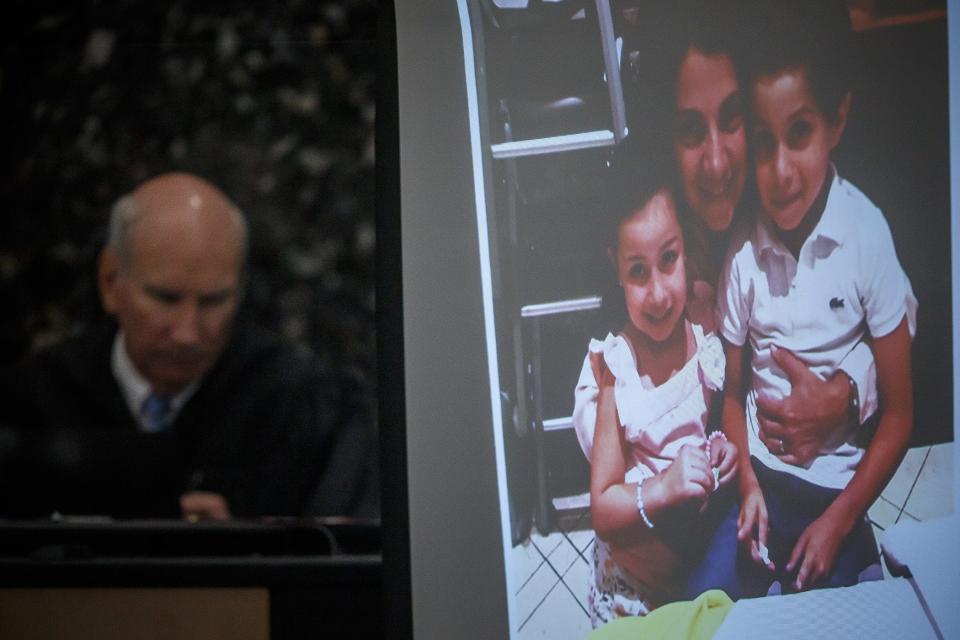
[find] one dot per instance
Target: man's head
(171, 274)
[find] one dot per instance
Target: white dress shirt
(136, 388)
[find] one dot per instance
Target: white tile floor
(552, 572)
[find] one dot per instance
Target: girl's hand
(601, 373)
(753, 517)
(723, 457)
(816, 550)
(689, 476)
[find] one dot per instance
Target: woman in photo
(687, 106)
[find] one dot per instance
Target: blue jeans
(792, 505)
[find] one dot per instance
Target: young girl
(641, 408)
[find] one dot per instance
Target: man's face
(175, 300)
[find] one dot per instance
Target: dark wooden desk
(168, 579)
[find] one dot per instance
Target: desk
(930, 552)
(879, 610)
(283, 577)
(921, 604)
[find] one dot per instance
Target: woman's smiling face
(709, 140)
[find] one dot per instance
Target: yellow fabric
(694, 620)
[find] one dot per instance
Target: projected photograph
(719, 239)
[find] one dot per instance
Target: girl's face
(709, 141)
(792, 143)
(650, 264)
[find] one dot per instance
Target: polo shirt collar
(831, 228)
(833, 222)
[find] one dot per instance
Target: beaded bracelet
(716, 435)
(643, 513)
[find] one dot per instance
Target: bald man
(170, 273)
(173, 408)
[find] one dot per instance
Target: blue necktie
(156, 411)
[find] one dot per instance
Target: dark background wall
(273, 102)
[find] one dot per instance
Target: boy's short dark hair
(814, 35)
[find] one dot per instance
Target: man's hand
(796, 428)
(203, 505)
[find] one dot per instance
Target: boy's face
(650, 264)
(792, 142)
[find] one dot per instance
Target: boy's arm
(734, 309)
(752, 522)
(734, 411)
(818, 545)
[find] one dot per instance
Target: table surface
(878, 610)
(929, 550)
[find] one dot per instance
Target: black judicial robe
(265, 429)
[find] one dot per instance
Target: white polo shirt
(847, 283)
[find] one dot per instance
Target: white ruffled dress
(657, 421)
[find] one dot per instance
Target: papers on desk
(876, 610)
(931, 552)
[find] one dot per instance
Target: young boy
(816, 274)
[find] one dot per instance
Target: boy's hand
(689, 476)
(723, 456)
(816, 550)
(753, 517)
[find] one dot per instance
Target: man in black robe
(174, 407)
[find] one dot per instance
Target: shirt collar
(767, 241)
(831, 227)
(134, 386)
(833, 222)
